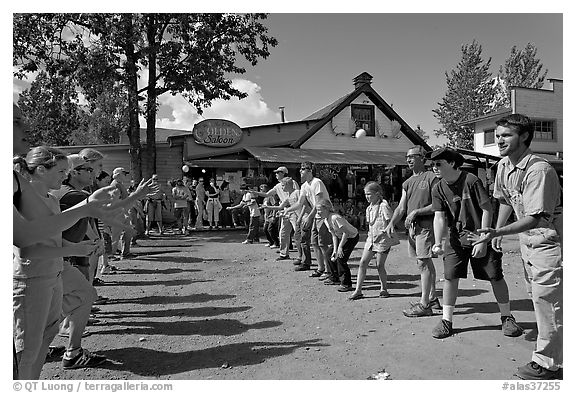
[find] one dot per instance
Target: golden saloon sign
(217, 133)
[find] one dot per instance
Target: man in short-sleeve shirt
(285, 225)
(529, 186)
(416, 201)
(461, 203)
(314, 229)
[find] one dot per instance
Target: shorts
(77, 290)
(375, 247)
(154, 210)
(321, 236)
(487, 268)
(421, 238)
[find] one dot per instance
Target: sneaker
(107, 270)
(435, 304)
(443, 329)
(98, 282)
(246, 242)
(282, 257)
(331, 282)
(533, 370)
(55, 353)
(317, 273)
(324, 276)
(345, 288)
(418, 310)
(384, 293)
(273, 246)
(509, 327)
(82, 360)
(297, 262)
(301, 268)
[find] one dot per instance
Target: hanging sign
(217, 133)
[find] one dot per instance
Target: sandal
(384, 293)
(356, 296)
(317, 273)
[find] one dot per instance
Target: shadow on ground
(208, 327)
(137, 360)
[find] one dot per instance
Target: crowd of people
(72, 219)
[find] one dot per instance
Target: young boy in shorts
(460, 202)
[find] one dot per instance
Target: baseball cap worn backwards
(446, 153)
(281, 169)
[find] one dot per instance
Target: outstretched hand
(480, 236)
(146, 188)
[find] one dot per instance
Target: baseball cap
(281, 169)
(76, 161)
(446, 153)
(118, 171)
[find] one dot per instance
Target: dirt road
(206, 307)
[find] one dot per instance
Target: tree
(421, 132)
(470, 94)
(51, 109)
(189, 54)
(521, 69)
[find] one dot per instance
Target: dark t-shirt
(462, 201)
(418, 191)
(69, 197)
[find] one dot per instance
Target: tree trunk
(132, 87)
(151, 101)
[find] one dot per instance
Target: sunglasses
(85, 169)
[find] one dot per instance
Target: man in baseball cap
(285, 225)
(118, 171)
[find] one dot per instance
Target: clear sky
(319, 54)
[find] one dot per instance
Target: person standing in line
(378, 214)
(153, 207)
(314, 229)
(121, 238)
(285, 225)
(416, 202)
(213, 205)
(344, 238)
(191, 185)
(254, 226)
(528, 185)
(37, 269)
(181, 195)
(200, 206)
(270, 218)
(461, 203)
(225, 202)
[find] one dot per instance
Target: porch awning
(353, 157)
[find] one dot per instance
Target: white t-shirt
(337, 225)
(252, 204)
(283, 194)
(312, 189)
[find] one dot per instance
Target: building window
(544, 130)
(489, 137)
(363, 116)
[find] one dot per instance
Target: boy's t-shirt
(462, 201)
(337, 225)
(312, 190)
(250, 201)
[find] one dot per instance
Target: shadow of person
(149, 362)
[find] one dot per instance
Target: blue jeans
(254, 229)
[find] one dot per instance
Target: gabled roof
(325, 114)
